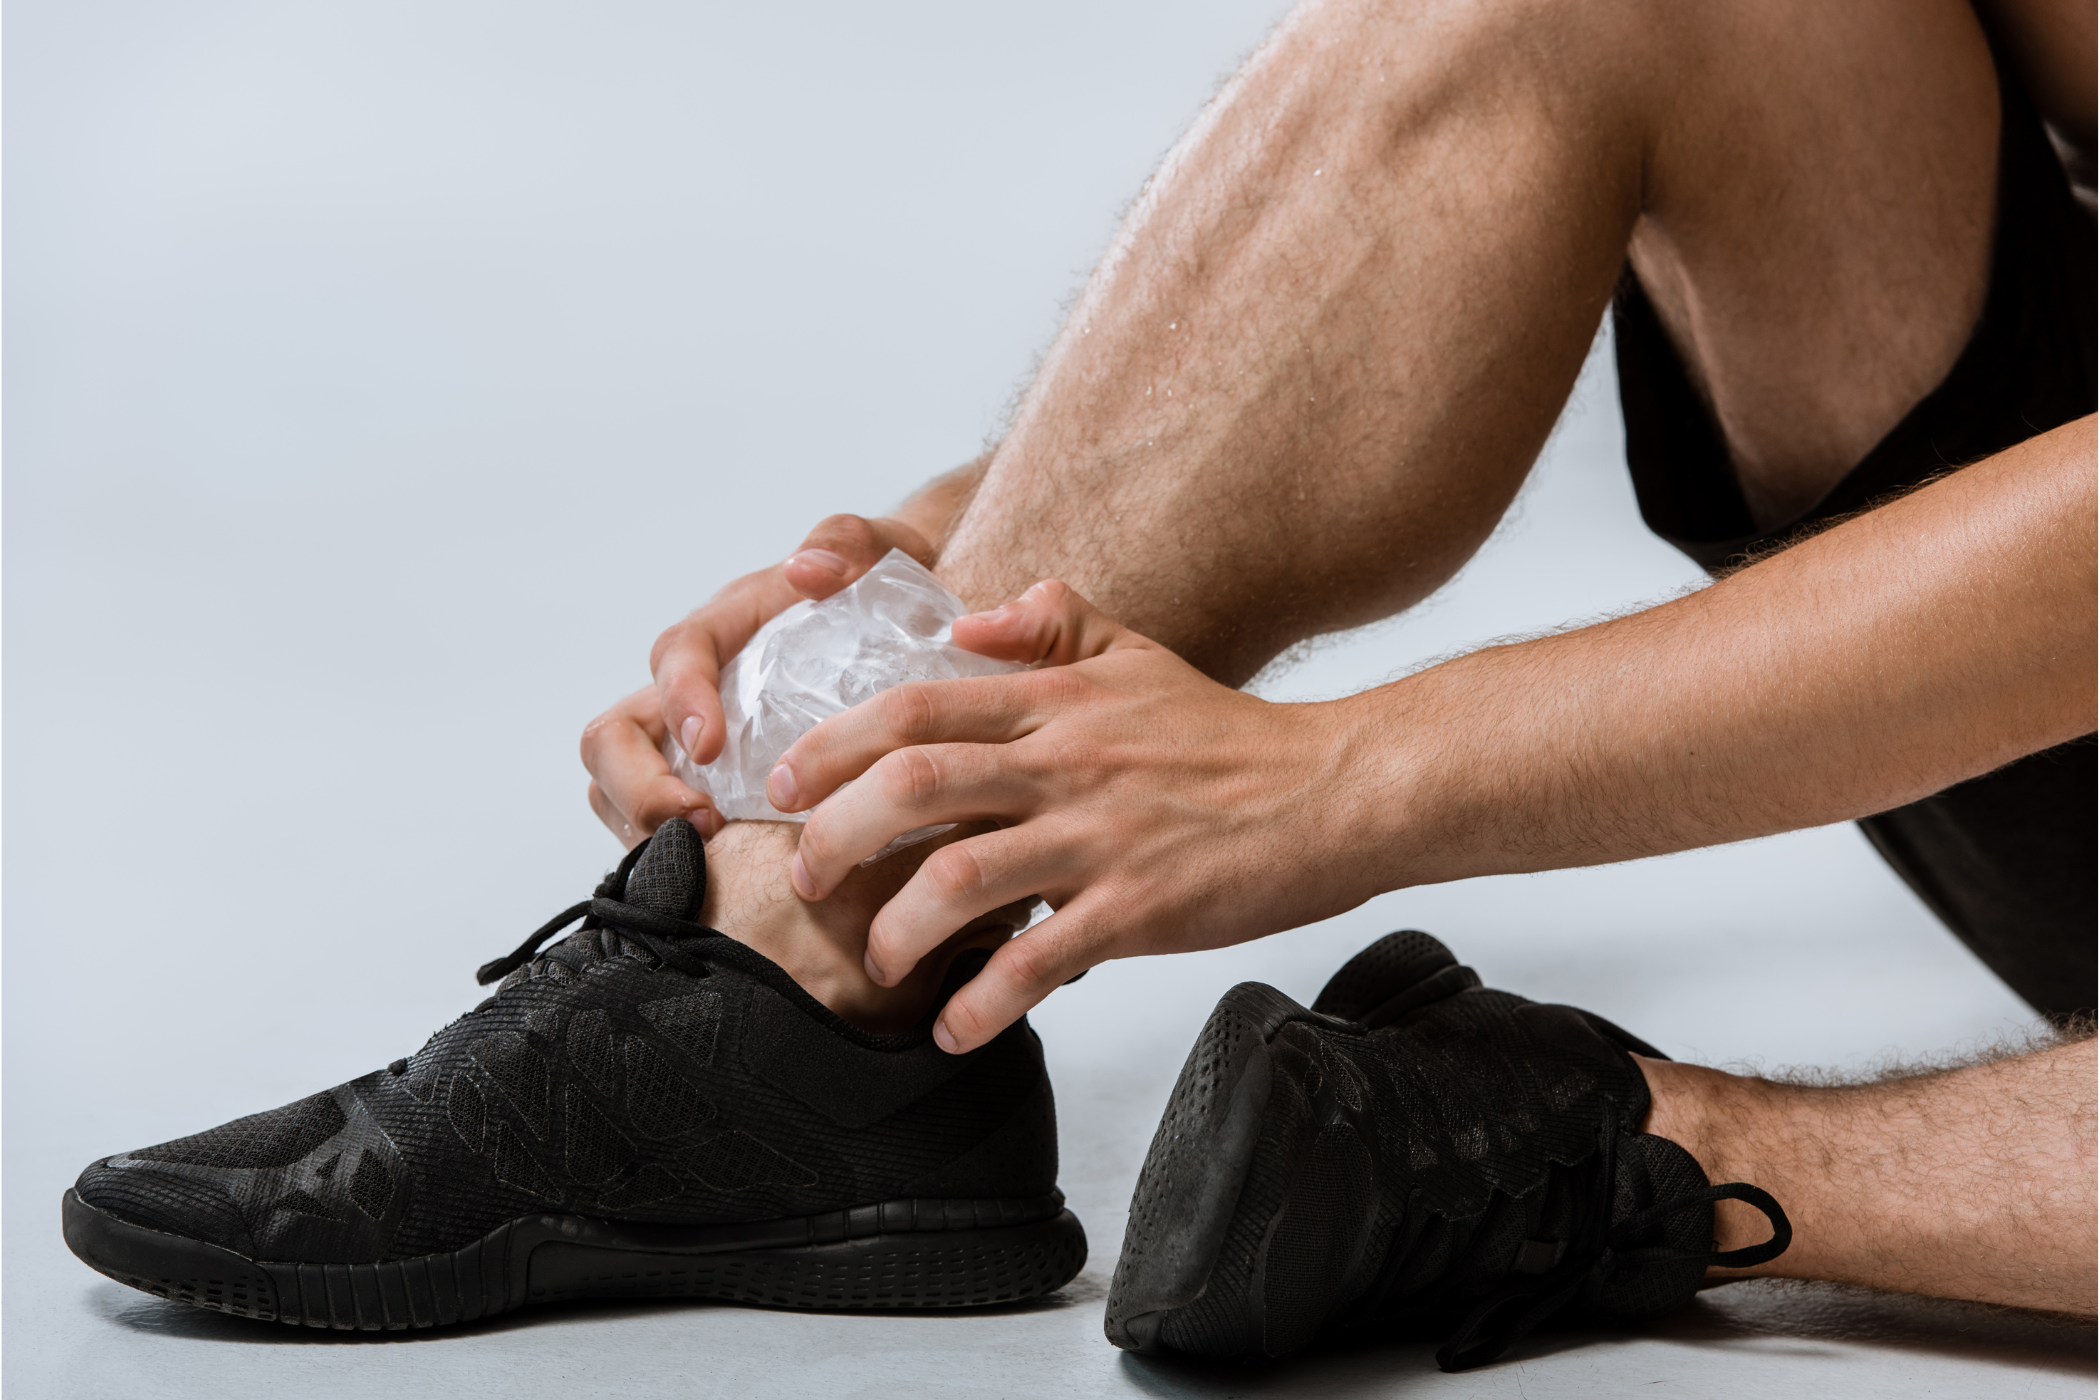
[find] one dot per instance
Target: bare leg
(822, 943)
(1974, 1183)
(1325, 349)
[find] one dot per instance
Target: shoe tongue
(671, 876)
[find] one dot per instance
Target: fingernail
(820, 559)
(689, 733)
(710, 823)
(945, 1038)
(780, 787)
(804, 886)
(867, 960)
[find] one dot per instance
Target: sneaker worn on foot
(648, 1108)
(1413, 1153)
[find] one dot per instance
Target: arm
(1911, 647)
(1929, 641)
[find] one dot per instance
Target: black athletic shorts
(2005, 860)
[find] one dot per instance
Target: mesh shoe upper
(1466, 1164)
(680, 1080)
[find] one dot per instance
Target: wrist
(1398, 795)
(1354, 789)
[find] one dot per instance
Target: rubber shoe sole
(897, 1254)
(1226, 1256)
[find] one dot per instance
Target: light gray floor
(382, 376)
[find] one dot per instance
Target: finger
(1049, 625)
(914, 787)
(620, 748)
(1022, 972)
(615, 820)
(688, 657)
(973, 710)
(958, 883)
(843, 547)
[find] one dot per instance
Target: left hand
(1155, 810)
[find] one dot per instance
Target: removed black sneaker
(1414, 1154)
(647, 1109)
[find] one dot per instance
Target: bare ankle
(1713, 1115)
(822, 944)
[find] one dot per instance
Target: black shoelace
(1503, 1318)
(659, 933)
(662, 935)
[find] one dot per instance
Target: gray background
(383, 376)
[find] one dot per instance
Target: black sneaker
(647, 1109)
(1414, 1154)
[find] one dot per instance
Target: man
(1298, 393)
(1843, 260)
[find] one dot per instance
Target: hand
(632, 789)
(1154, 809)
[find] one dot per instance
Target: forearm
(1926, 642)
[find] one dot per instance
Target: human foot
(645, 1109)
(1413, 1152)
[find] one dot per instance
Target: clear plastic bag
(817, 659)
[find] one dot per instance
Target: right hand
(632, 789)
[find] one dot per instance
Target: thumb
(1049, 625)
(843, 547)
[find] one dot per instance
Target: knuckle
(1032, 961)
(909, 712)
(683, 647)
(955, 873)
(964, 1018)
(654, 810)
(1058, 688)
(851, 535)
(911, 777)
(817, 849)
(667, 644)
(887, 941)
